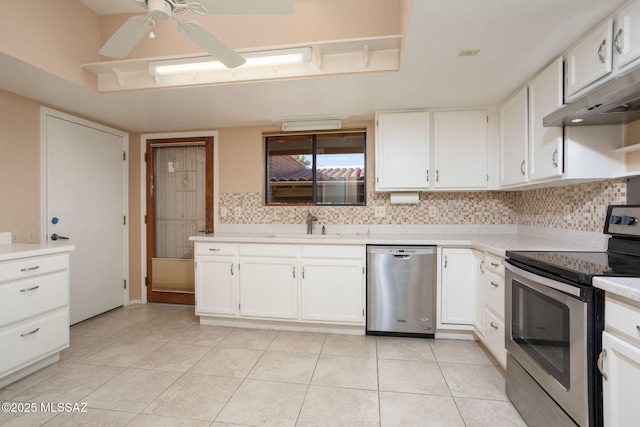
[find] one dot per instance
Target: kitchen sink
(305, 236)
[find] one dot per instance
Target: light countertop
(12, 251)
(628, 287)
(496, 244)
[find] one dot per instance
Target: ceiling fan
(133, 31)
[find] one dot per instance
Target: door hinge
(124, 156)
(145, 157)
(146, 281)
(145, 219)
(124, 220)
(125, 283)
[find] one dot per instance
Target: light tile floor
(155, 365)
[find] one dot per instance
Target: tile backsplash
(586, 204)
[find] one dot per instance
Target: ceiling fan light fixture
(267, 58)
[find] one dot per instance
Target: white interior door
(84, 177)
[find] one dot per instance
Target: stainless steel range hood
(617, 101)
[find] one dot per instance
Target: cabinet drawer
(216, 248)
(28, 267)
(494, 293)
(269, 250)
(623, 318)
(333, 251)
(25, 298)
(494, 336)
(494, 264)
(27, 342)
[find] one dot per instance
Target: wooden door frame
(200, 135)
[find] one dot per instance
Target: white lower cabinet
(283, 282)
(619, 362)
(269, 287)
(490, 305)
(457, 282)
(34, 313)
(333, 290)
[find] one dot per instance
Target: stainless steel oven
(554, 322)
(551, 331)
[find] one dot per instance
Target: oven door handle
(553, 284)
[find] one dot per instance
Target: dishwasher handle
(402, 256)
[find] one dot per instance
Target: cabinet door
(403, 151)
(621, 364)
(333, 290)
(626, 41)
(591, 59)
(216, 285)
(268, 287)
(458, 279)
(545, 143)
(460, 149)
(515, 119)
(478, 306)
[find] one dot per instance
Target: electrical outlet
(380, 212)
(31, 236)
(433, 211)
(15, 236)
(566, 211)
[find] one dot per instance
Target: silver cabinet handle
(214, 249)
(616, 40)
(493, 264)
(30, 289)
(493, 326)
(303, 272)
(232, 269)
(294, 271)
(30, 268)
(30, 333)
(522, 167)
(482, 266)
(427, 175)
(600, 49)
(445, 261)
(437, 175)
(495, 284)
(601, 358)
(554, 158)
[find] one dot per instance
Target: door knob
(55, 236)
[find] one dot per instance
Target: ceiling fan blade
(127, 37)
(242, 7)
(211, 44)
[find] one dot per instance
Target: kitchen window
(316, 169)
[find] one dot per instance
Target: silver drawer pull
(494, 264)
(493, 326)
(495, 284)
(30, 289)
(30, 333)
(214, 249)
(30, 268)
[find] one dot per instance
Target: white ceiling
(516, 39)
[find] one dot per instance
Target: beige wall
(19, 165)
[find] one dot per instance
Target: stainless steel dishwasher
(401, 290)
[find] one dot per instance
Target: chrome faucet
(310, 219)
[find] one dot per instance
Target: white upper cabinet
(626, 39)
(545, 143)
(460, 149)
(515, 122)
(590, 60)
(403, 148)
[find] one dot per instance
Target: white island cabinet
(298, 285)
(34, 308)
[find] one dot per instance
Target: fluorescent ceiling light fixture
(265, 58)
(576, 120)
(312, 125)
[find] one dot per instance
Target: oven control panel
(623, 220)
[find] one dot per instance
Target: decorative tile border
(544, 207)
